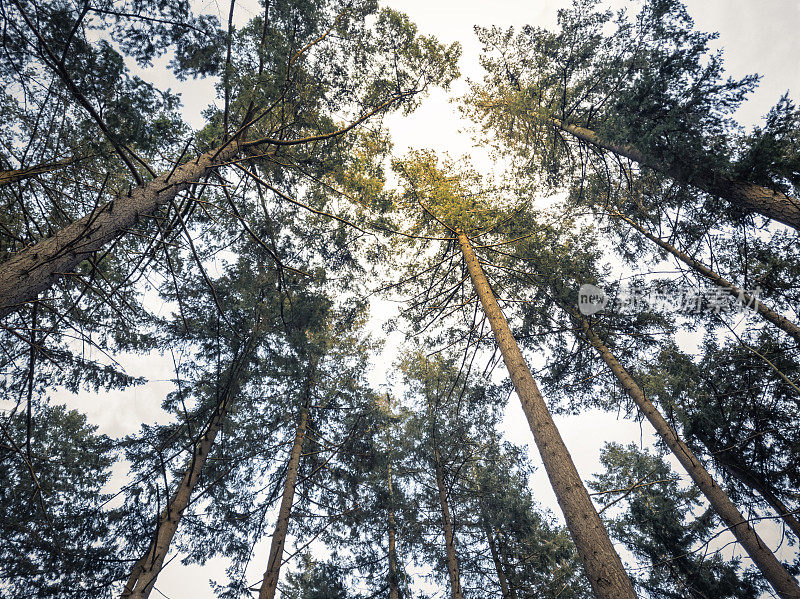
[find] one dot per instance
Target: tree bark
(508, 592)
(394, 573)
(751, 302)
(449, 537)
(14, 175)
(270, 582)
(600, 560)
(748, 196)
(773, 571)
(143, 576)
(33, 270)
(734, 468)
(394, 570)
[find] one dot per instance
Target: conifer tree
(454, 207)
(608, 88)
(272, 60)
(652, 524)
(56, 529)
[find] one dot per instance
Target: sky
(756, 35)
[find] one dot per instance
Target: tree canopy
(356, 335)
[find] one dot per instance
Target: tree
(447, 205)
(400, 65)
(315, 580)
(649, 91)
(739, 412)
(56, 530)
(532, 556)
(652, 523)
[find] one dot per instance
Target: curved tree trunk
(33, 270)
(751, 302)
(143, 576)
(270, 582)
(773, 571)
(748, 196)
(449, 537)
(600, 560)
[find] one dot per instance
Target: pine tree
(401, 65)
(56, 531)
(646, 90)
(454, 206)
(652, 524)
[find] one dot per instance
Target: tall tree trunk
(751, 302)
(508, 592)
(143, 576)
(773, 571)
(394, 571)
(270, 582)
(33, 270)
(449, 537)
(600, 560)
(735, 468)
(505, 588)
(20, 174)
(24, 276)
(748, 196)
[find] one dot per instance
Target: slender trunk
(394, 573)
(143, 576)
(270, 582)
(509, 571)
(773, 571)
(748, 196)
(14, 175)
(449, 537)
(394, 570)
(600, 560)
(751, 302)
(394, 587)
(734, 468)
(33, 270)
(508, 593)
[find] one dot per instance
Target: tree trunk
(734, 468)
(505, 588)
(14, 175)
(508, 593)
(270, 582)
(449, 537)
(600, 560)
(773, 571)
(143, 576)
(751, 302)
(394, 587)
(748, 196)
(394, 573)
(33, 270)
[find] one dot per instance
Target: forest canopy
(251, 343)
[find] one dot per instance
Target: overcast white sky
(757, 36)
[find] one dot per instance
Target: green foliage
(315, 580)
(56, 530)
(661, 523)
